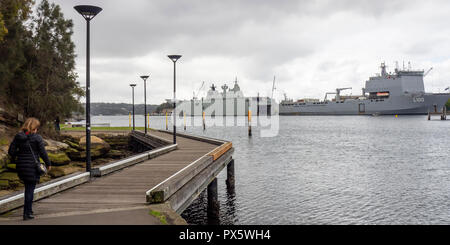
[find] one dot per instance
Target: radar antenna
(273, 86)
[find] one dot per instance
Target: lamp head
(133, 85)
(88, 11)
(174, 57)
(144, 77)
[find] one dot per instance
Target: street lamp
(174, 58)
(88, 12)
(145, 101)
(132, 89)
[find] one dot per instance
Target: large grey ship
(401, 92)
(229, 102)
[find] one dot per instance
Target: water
(332, 170)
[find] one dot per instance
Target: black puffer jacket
(21, 154)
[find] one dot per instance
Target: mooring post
(230, 175)
(213, 203)
(184, 115)
(167, 126)
(249, 123)
(204, 124)
(429, 115)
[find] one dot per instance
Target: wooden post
(429, 115)
(249, 123)
(167, 125)
(213, 203)
(184, 114)
(230, 176)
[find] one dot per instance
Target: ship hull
(398, 105)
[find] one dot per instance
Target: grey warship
(398, 93)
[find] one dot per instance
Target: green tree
(37, 60)
(56, 90)
(14, 38)
(448, 104)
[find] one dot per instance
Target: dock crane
(273, 86)
(426, 73)
(194, 95)
(337, 93)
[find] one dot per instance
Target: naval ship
(398, 93)
(228, 102)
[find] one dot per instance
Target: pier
(152, 187)
(442, 114)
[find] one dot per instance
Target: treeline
(108, 109)
(37, 60)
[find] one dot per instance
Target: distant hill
(118, 108)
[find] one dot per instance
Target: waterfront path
(117, 198)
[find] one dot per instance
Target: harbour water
(331, 170)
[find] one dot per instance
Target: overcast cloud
(311, 47)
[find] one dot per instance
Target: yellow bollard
(148, 120)
(204, 124)
(249, 123)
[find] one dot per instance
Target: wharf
(153, 187)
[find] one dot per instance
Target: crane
(198, 91)
(337, 93)
(326, 94)
(273, 86)
(426, 73)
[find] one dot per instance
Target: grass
(158, 215)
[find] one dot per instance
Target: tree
(55, 93)
(37, 60)
(448, 104)
(14, 37)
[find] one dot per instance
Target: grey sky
(311, 47)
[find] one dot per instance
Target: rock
(59, 159)
(11, 167)
(75, 154)
(115, 154)
(98, 146)
(71, 144)
(51, 149)
(4, 159)
(53, 144)
(56, 172)
(9, 180)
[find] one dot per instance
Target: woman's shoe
(28, 217)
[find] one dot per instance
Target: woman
(22, 155)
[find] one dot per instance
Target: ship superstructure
(228, 102)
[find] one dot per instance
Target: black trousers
(29, 195)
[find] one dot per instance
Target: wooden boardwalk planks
(125, 188)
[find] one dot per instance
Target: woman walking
(25, 148)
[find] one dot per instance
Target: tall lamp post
(174, 58)
(88, 12)
(132, 89)
(145, 102)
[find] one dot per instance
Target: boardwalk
(118, 198)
